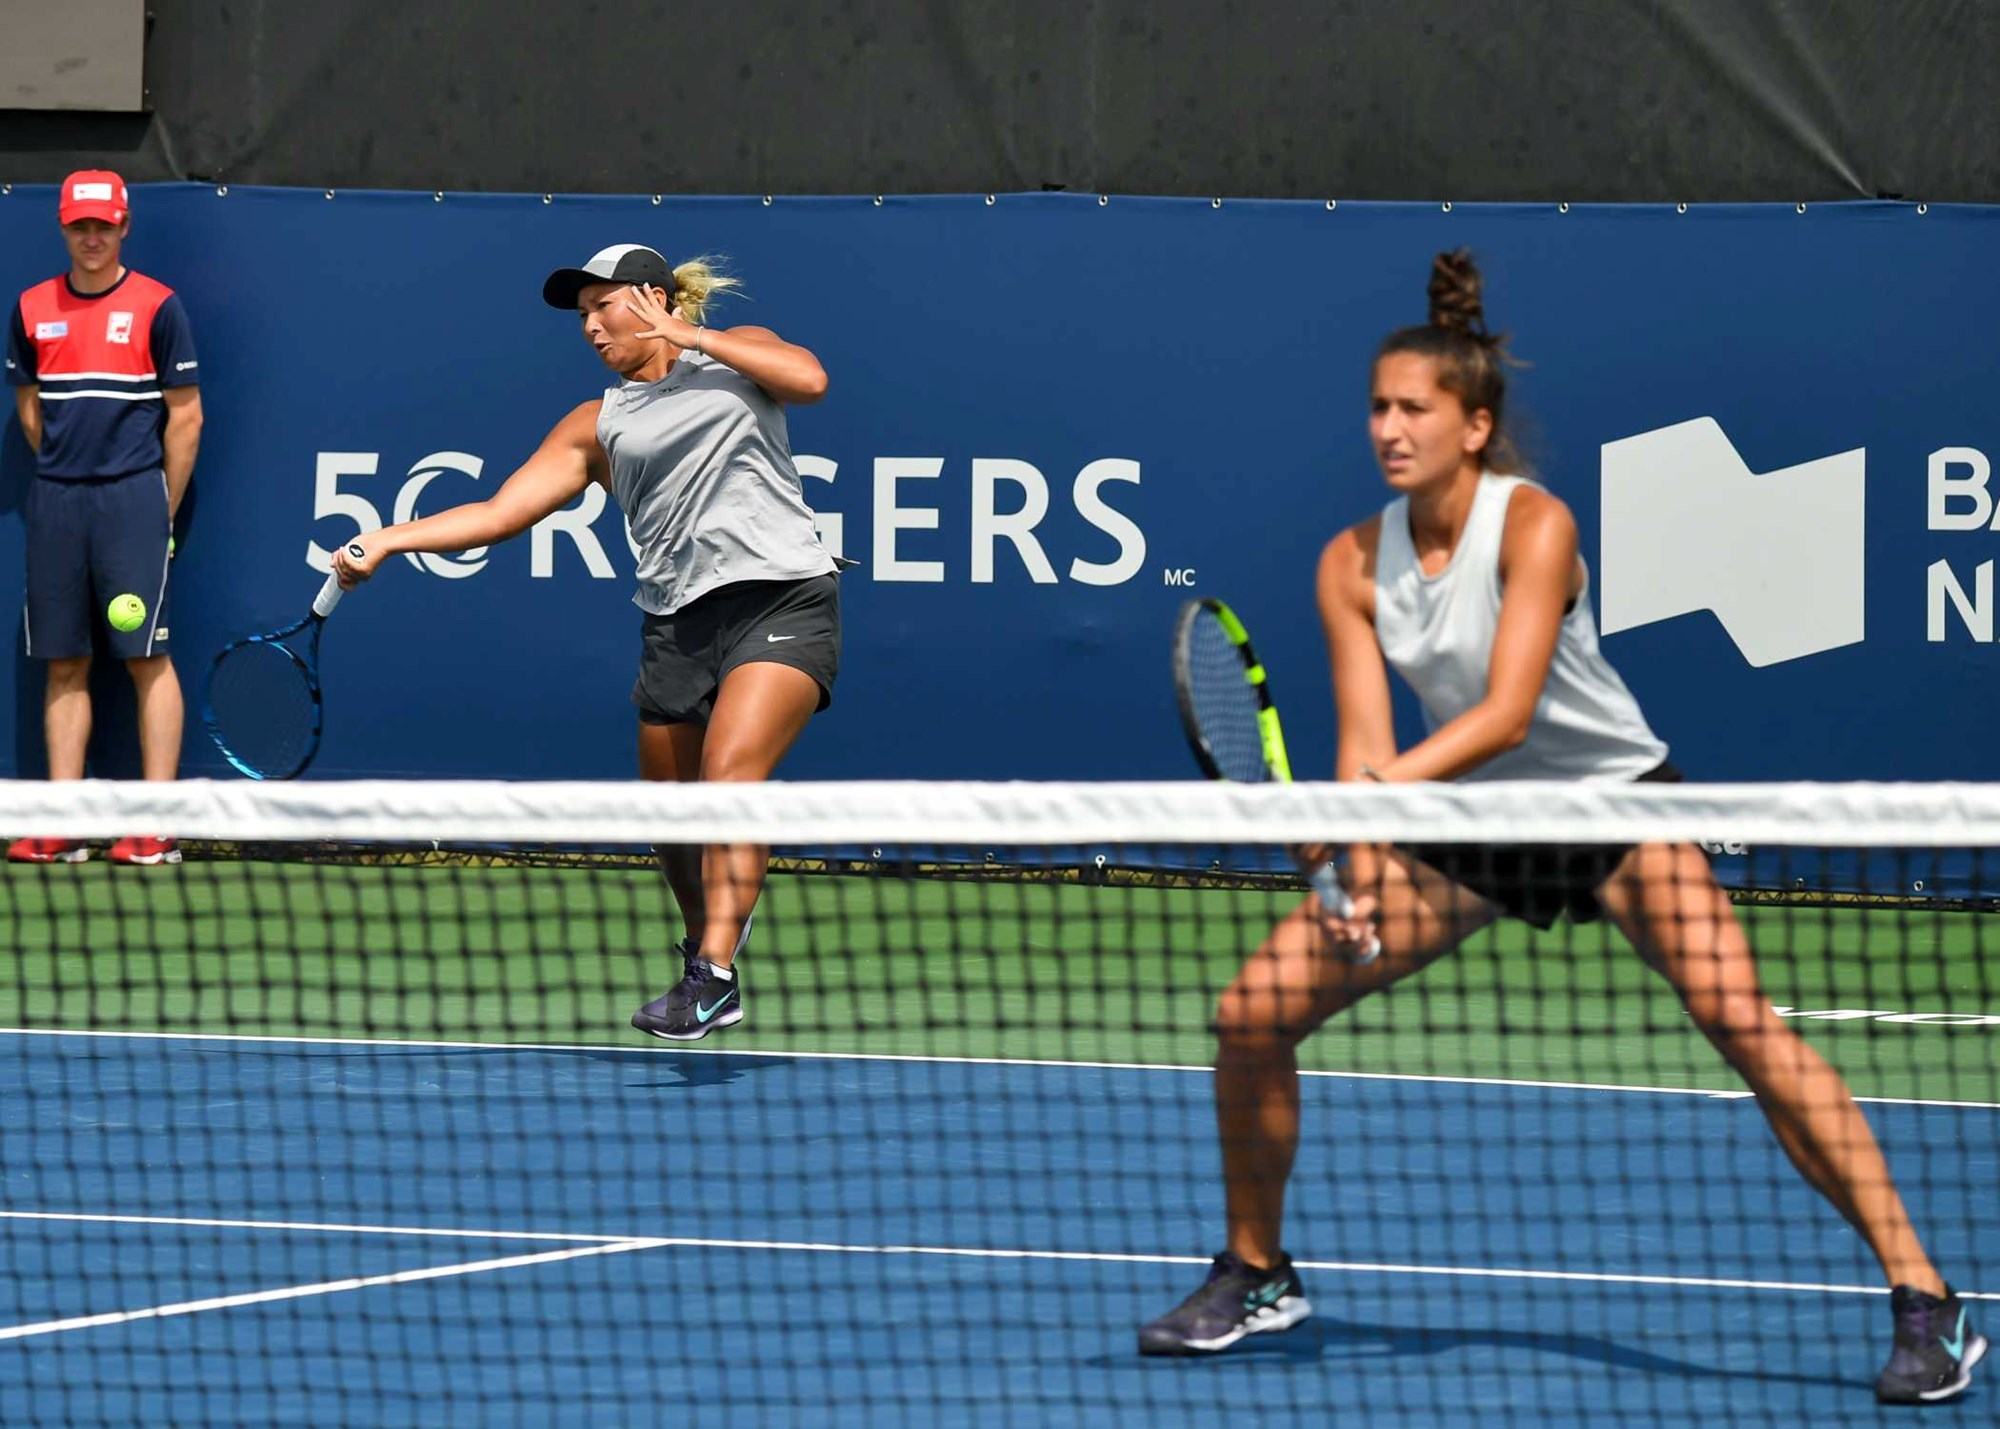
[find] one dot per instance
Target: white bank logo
(1776, 556)
(1009, 501)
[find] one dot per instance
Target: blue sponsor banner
(1054, 418)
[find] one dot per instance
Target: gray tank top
(1437, 633)
(701, 465)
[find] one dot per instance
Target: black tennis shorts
(684, 656)
(1536, 883)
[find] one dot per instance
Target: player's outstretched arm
(567, 461)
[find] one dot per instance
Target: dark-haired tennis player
(741, 636)
(1469, 584)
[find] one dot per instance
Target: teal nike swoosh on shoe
(1955, 1346)
(1235, 1301)
(702, 1002)
(1926, 1366)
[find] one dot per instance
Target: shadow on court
(559, 1071)
(677, 1068)
(1325, 1338)
(692, 1069)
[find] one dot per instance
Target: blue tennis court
(296, 1232)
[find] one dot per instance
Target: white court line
(1718, 1094)
(620, 1246)
(328, 1287)
(204, 1222)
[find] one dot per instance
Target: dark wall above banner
(1621, 100)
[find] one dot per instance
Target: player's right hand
(355, 563)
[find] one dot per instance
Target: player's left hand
(650, 304)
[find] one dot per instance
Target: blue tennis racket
(262, 702)
(1232, 725)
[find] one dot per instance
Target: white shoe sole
(1282, 1315)
(1974, 1353)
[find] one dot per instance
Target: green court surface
(964, 968)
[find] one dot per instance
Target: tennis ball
(126, 612)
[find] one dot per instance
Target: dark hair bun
(1454, 292)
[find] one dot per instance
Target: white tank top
(701, 464)
(1437, 633)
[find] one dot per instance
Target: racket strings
(261, 708)
(1225, 703)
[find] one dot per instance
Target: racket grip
(1333, 898)
(328, 597)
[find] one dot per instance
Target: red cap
(93, 193)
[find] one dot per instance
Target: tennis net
(343, 1120)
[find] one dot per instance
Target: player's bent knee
(1257, 1023)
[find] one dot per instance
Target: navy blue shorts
(89, 542)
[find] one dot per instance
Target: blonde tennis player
(740, 639)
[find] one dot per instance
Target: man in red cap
(104, 375)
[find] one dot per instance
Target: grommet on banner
(1446, 207)
(1680, 208)
(329, 193)
(1215, 203)
(1923, 208)
(546, 198)
(1562, 208)
(1332, 204)
(6, 188)
(989, 200)
(878, 200)
(1802, 208)
(767, 200)
(222, 190)
(656, 200)
(1103, 199)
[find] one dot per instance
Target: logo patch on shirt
(44, 332)
(119, 328)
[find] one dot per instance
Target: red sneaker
(46, 851)
(145, 850)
